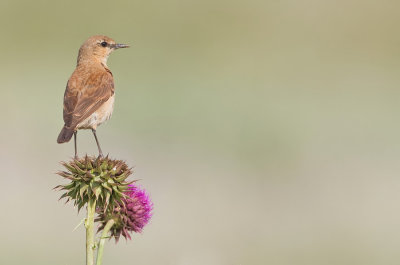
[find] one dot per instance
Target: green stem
(103, 238)
(89, 224)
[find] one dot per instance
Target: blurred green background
(265, 131)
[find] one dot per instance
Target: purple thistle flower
(132, 214)
(138, 208)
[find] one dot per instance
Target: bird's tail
(65, 135)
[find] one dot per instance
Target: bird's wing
(85, 94)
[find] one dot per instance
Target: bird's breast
(99, 116)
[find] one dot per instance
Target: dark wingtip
(65, 135)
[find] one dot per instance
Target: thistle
(97, 182)
(130, 215)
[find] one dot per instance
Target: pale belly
(99, 116)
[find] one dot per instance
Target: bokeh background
(267, 132)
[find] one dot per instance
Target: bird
(89, 94)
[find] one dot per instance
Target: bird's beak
(118, 45)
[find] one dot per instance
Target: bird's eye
(104, 44)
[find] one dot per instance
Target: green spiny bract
(101, 179)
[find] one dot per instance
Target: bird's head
(97, 49)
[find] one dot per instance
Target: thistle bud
(101, 179)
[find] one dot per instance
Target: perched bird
(89, 96)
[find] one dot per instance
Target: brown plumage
(89, 96)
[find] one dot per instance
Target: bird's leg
(97, 142)
(76, 152)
